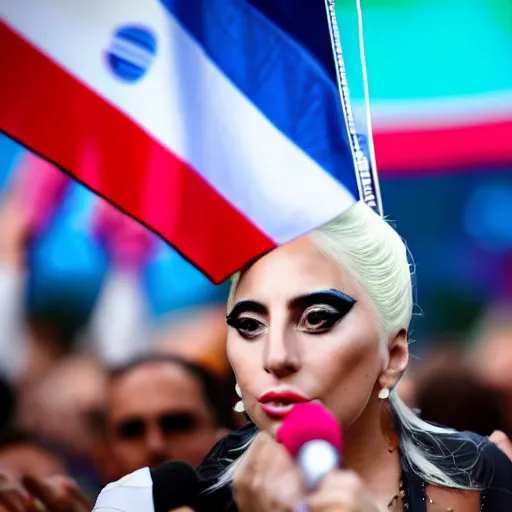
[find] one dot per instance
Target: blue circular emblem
(131, 52)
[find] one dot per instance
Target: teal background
(418, 49)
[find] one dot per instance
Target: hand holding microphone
(267, 479)
(301, 471)
(312, 435)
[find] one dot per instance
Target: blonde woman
(326, 318)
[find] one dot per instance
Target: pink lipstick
(279, 403)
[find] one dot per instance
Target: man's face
(157, 412)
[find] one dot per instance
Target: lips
(279, 403)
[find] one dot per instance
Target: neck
(367, 452)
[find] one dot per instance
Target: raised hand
(57, 494)
(267, 479)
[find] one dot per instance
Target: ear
(397, 361)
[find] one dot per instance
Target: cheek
(126, 453)
(125, 449)
(241, 363)
(246, 362)
(349, 372)
(233, 351)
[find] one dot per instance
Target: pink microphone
(313, 437)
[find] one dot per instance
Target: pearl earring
(239, 406)
(384, 394)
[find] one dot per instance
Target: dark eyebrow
(246, 305)
(332, 297)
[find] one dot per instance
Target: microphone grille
(175, 484)
(309, 422)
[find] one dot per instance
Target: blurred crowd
(96, 403)
(81, 409)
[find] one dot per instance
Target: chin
(266, 423)
(274, 427)
(270, 425)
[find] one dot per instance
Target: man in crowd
(160, 408)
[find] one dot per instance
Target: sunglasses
(168, 423)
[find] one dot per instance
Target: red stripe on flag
(444, 148)
(57, 116)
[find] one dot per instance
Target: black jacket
(475, 458)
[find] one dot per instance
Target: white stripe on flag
(235, 148)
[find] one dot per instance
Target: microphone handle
(316, 459)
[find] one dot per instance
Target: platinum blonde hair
(369, 248)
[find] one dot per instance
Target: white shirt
(132, 493)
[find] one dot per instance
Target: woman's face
(302, 329)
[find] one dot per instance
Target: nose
(156, 444)
(281, 357)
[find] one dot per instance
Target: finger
(13, 500)
(12, 495)
(285, 479)
(281, 482)
(501, 440)
(271, 462)
(282, 493)
(31, 507)
(323, 502)
(75, 493)
(45, 494)
(245, 476)
(36, 506)
(498, 437)
(339, 490)
(58, 494)
(267, 476)
(250, 460)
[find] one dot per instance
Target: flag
(219, 124)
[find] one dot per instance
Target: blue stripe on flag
(278, 75)
(309, 29)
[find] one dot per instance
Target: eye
(319, 319)
(131, 429)
(247, 326)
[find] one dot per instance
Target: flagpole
(367, 178)
(371, 147)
